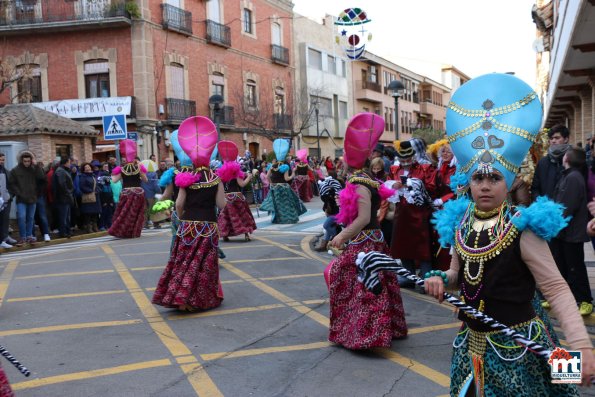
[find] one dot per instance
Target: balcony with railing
(218, 34)
(176, 19)
(179, 109)
(282, 121)
(26, 16)
(225, 116)
(279, 54)
(368, 91)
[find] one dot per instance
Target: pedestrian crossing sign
(114, 127)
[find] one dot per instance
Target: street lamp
(215, 102)
(396, 90)
(317, 131)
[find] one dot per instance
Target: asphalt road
(79, 317)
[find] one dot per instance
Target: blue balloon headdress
(491, 122)
(180, 154)
(281, 148)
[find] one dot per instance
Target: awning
(104, 148)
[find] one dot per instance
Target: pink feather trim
(385, 192)
(229, 171)
(185, 179)
(116, 170)
(143, 169)
(348, 203)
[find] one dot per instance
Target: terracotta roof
(24, 119)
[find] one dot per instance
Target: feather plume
(348, 203)
(166, 178)
(185, 179)
(229, 171)
(447, 219)
(544, 217)
(385, 192)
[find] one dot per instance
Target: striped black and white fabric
(329, 187)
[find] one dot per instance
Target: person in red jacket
(416, 184)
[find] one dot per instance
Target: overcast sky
(476, 36)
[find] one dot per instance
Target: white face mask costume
(353, 31)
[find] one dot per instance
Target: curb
(57, 241)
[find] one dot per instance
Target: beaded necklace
(129, 169)
(359, 176)
(210, 178)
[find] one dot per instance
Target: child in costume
(358, 321)
(501, 254)
(282, 201)
(301, 182)
(190, 280)
(129, 217)
(236, 218)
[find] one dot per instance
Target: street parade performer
(282, 201)
(301, 182)
(190, 280)
(129, 217)
(357, 320)
(501, 254)
(236, 218)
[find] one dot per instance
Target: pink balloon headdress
(362, 135)
(230, 169)
(128, 150)
(197, 136)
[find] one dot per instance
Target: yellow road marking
(244, 246)
(431, 328)
(305, 310)
(196, 374)
(145, 253)
(79, 295)
(5, 278)
(305, 245)
(315, 301)
(136, 269)
(64, 274)
(266, 350)
(291, 276)
(224, 312)
(417, 367)
(268, 259)
(282, 246)
(62, 260)
(66, 327)
(95, 373)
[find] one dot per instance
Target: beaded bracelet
(440, 273)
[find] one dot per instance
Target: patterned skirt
(284, 204)
(495, 364)
(236, 218)
(191, 276)
(5, 389)
(360, 319)
(129, 218)
(302, 186)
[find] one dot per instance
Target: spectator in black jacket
(5, 201)
(549, 168)
(63, 192)
(568, 247)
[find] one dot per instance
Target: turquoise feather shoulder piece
(166, 178)
(544, 217)
(447, 219)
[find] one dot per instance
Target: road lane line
(66, 327)
(244, 246)
(290, 276)
(299, 258)
(305, 245)
(6, 277)
(64, 274)
(266, 350)
(216, 312)
(431, 328)
(144, 253)
(282, 246)
(79, 295)
(62, 260)
(415, 366)
(197, 376)
(95, 373)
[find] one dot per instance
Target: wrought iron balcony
(179, 109)
(176, 19)
(282, 121)
(279, 54)
(218, 34)
(23, 16)
(369, 85)
(225, 116)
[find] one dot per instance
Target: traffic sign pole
(117, 143)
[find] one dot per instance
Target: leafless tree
(10, 76)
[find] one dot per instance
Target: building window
(214, 11)
(176, 81)
(29, 85)
(63, 150)
(276, 34)
(251, 93)
(218, 87)
(332, 64)
(247, 21)
(279, 100)
(343, 68)
(97, 83)
(314, 59)
(325, 105)
(372, 74)
(343, 110)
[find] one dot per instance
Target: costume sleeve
(430, 180)
(536, 254)
(364, 203)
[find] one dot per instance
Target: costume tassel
(478, 374)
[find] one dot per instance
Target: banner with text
(88, 108)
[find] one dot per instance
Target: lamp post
(317, 132)
(215, 102)
(396, 90)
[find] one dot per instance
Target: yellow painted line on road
(197, 376)
(79, 295)
(305, 245)
(6, 277)
(268, 259)
(291, 276)
(266, 350)
(64, 274)
(95, 373)
(244, 246)
(431, 328)
(137, 269)
(62, 260)
(145, 253)
(283, 247)
(315, 301)
(216, 312)
(305, 310)
(415, 366)
(67, 327)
